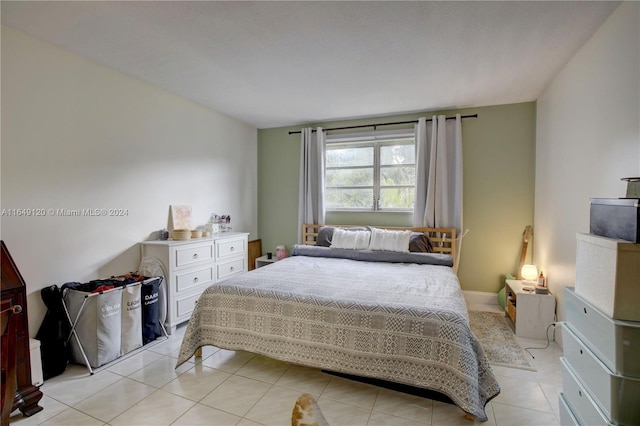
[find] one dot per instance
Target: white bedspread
(404, 323)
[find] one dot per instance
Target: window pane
(348, 198)
(349, 177)
(397, 154)
(399, 175)
(345, 157)
(397, 198)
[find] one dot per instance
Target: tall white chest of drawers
(601, 338)
(193, 265)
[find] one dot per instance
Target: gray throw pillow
(420, 243)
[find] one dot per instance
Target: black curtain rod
(382, 124)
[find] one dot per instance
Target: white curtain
(438, 201)
(311, 194)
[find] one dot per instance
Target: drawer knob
(585, 310)
(580, 393)
(581, 352)
(195, 279)
(232, 248)
(195, 255)
(231, 269)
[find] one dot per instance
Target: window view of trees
(371, 175)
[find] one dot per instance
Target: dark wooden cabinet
(14, 293)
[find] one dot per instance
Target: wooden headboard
(442, 239)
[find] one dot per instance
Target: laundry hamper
(131, 335)
(96, 320)
(151, 326)
(111, 317)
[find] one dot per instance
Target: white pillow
(350, 240)
(386, 240)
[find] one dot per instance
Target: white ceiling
(272, 64)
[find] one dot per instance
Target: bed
(372, 314)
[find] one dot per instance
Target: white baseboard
(480, 297)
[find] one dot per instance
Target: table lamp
(529, 273)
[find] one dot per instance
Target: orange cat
(307, 413)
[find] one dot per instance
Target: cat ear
(306, 412)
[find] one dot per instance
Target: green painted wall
(499, 163)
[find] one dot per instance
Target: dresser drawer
(227, 269)
(193, 278)
(615, 395)
(616, 343)
(190, 255)
(580, 402)
(227, 248)
(186, 304)
(566, 415)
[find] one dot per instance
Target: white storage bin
(37, 378)
(608, 275)
(578, 399)
(617, 396)
(615, 343)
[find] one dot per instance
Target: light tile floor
(239, 388)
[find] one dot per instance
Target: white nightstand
(530, 313)
(264, 261)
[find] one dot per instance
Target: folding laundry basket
(131, 337)
(151, 327)
(96, 324)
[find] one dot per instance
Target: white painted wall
(78, 135)
(588, 137)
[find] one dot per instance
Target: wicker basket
(181, 234)
(511, 310)
(196, 233)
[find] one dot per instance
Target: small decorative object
(181, 217)
(633, 187)
(529, 274)
(181, 234)
(206, 233)
(541, 287)
(163, 234)
(541, 290)
(269, 255)
(281, 252)
(196, 233)
(542, 281)
(215, 228)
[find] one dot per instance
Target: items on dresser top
(608, 275)
(615, 218)
(193, 265)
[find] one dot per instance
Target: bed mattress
(401, 322)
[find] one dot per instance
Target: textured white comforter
(404, 323)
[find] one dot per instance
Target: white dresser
(193, 265)
(601, 362)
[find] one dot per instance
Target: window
(370, 174)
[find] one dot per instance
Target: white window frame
(376, 140)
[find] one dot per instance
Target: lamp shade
(529, 272)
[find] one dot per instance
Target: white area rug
(498, 340)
